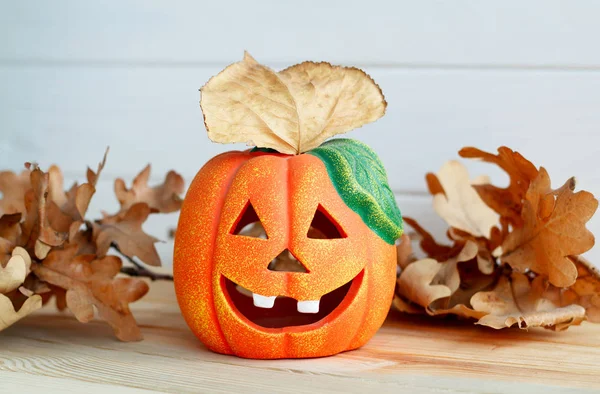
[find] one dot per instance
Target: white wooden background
(76, 76)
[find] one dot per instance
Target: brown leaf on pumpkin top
(88, 282)
(517, 301)
(460, 205)
(505, 201)
(553, 229)
(292, 111)
(13, 188)
(127, 234)
(163, 198)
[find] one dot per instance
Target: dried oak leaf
(433, 184)
(553, 229)
(426, 281)
(460, 205)
(585, 291)
(16, 270)
(66, 210)
(505, 201)
(36, 233)
(429, 245)
(13, 188)
(92, 177)
(83, 238)
(485, 261)
(516, 300)
(405, 306)
(292, 111)
(6, 248)
(10, 230)
(587, 288)
(404, 252)
(472, 281)
(414, 283)
(33, 285)
(8, 315)
(88, 282)
(163, 198)
(127, 234)
(68, 206)
(9, 226)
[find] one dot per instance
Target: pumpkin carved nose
(286, 262)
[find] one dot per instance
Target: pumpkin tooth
(308, 306)
(262, 301)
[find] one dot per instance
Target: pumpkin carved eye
(324, 226)
(248, 224)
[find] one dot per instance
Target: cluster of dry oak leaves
(514, 252)
(48, 248)
(513, 257)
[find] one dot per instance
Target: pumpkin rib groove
(184, 243)
(369, 292)
(288, 215)
(215, 227)
(285, 341)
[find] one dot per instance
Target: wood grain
(52, 350)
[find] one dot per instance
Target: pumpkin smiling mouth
(281, 311)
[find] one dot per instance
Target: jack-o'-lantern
(287, 250)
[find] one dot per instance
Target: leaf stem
(138, 269)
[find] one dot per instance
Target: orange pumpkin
(318, 276)
(350, 270)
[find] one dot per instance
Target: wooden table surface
(51, 352)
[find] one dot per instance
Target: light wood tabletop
(51, 351)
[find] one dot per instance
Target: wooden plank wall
(78, 76)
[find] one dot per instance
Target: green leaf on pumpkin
(361, 181)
